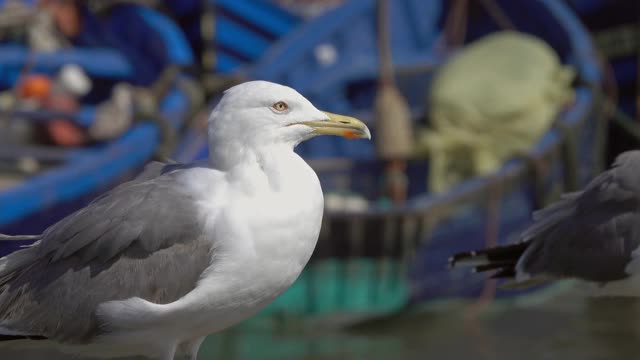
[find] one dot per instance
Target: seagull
(591, 235)
(155, 265)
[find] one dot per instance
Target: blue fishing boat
(382, 258)
(113, 48)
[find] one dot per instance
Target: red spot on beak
(349, 134)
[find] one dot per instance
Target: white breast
(265, 238)
(286, 223)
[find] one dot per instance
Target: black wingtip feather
(509, 272)
(503, 253)
(492, 266)
(502, 258)
(21, 337)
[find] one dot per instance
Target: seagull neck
(232, 155)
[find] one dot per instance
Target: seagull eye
(280, 106)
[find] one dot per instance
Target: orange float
(35, 86)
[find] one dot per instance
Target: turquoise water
(564, 326)
(559, 325)
(356, 284)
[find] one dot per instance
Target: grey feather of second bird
(591, 234)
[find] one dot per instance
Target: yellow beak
(340, 125)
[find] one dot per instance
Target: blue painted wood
(242, 40)
(243, 29)
(261, 14)
(97, 62)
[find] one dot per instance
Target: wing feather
(142, 239)
(589, 234)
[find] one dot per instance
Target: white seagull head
(259, 113)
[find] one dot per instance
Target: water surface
(564, 326)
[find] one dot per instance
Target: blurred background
(482, 111)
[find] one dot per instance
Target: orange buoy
(35, 86)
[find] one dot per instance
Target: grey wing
(157, 168)
(142, 239)
(589, 234)
(152, 170)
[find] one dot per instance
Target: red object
(62, 131)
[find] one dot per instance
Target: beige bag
(494, 100)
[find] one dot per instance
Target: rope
(495, 12)
(384, 45)
(569, 157)
(455, 27)
(168, 135)
(212, 82)
(102, 7)
(492, 232)
(147, 109)
(208, 34)
(626, 122)
(539, 169)
(602, 130)
(637, 68)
